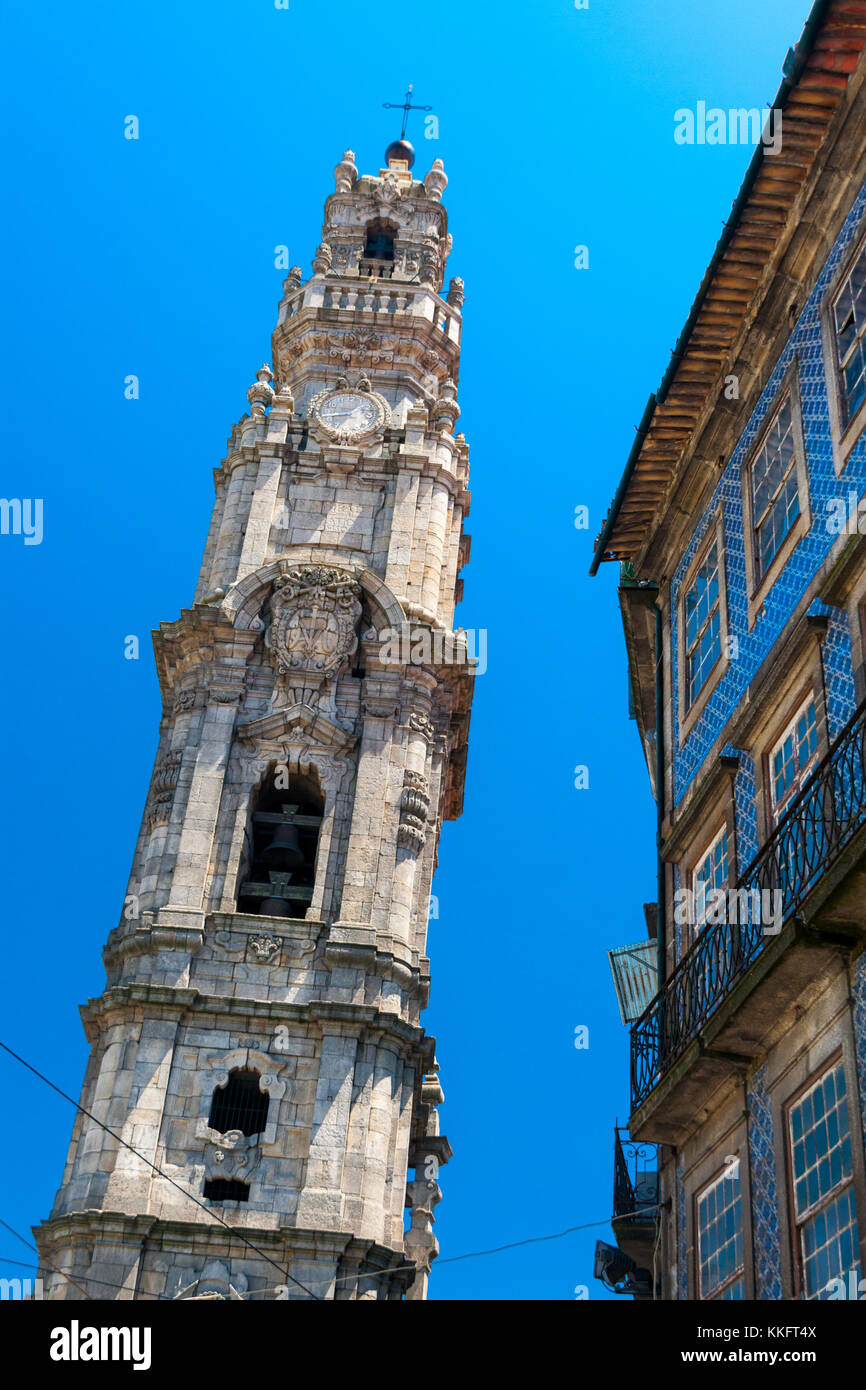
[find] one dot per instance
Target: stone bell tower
(258, 1043)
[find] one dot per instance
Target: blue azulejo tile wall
(746, 823)
(804, 346)
(860, 1032)
(765, 1206)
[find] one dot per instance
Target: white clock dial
(348, 411)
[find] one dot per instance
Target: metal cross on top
(407, 106)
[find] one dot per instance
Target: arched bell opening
(378, 256)
(281, 845)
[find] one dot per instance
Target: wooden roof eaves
(811, 93)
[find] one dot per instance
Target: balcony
(721, 1006)
(627, 1267)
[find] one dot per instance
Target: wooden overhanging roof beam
(816, 76)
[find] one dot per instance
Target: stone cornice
(422, 355)
(93, 1227)
(367, 466)
(183, 1005)
(381, 956)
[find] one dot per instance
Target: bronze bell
(275, 907)
(284, 851)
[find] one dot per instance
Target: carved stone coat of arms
(316, 610)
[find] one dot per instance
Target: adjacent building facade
(261, 1095)
(739, 533)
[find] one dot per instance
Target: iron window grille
(239, 1105)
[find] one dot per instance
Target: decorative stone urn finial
(446, 411)
(346, 172)
(261, 393)
(455, 292)
(436, 181)
(322, 259)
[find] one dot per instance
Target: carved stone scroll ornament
(420, 724)
(165, 777)
(388, 190)
(316, 610)
(362, 344)
(430, 270)
(264, 950)
(414, 806)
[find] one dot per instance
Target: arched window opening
(240, 1104)
(379, 249)
(281, 849)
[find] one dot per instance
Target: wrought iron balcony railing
(635, 1190)
(824, 816)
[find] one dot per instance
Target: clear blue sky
(156, 258)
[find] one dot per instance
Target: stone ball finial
(346, 172)
(400, 149)
(436, 181)
(261, 393)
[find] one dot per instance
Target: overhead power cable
(376, 1274)
(209, 1210)
(30, 1246)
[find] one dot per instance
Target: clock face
(348, 412)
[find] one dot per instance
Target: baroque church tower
(263, 1095)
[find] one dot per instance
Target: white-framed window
(775, 493)
(793, 755)
(710, 872)
(848, 319)
(719, 1231)
(703, 635)
(822, 1185)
